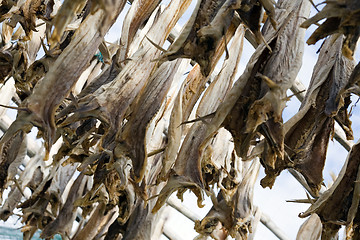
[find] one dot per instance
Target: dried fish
(62, 224)
(197, 45)
(310, 229)
(344, 192)
(341, 17)
(144, 111)
(95, 221)
(58, 185)
(12, 154)
(139, 12)
(68, 10)
(234, 215)
(6, 92)
(187, 169)
(128, 127)
(174, 135)
(6, 60)
(187, 97)
(306, 139)
(48, 94)
(128, 82)
(251, 14)
(256, 101)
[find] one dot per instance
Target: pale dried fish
(131, 80)
(68, 10)
(219, 164)
(310, 229)
(58, 185)
(6, 92)
(48, 94)
(33, 45)
(94, 223)
(146, 107)
(187, 169)
(63, 222)
(236, 215)
(174, 136)
(138, 13)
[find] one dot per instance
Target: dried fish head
(233, 215)
(200, 36)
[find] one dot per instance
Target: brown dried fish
(6, 60)
(345, 193)
(12, 154)
(197, 45)
(251, 14)
(342, 16)
(306, 139)
(255, 103)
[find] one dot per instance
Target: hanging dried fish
(187, 169)
(58, 185)
(252, 13)
(308, 132)
(48, 94)
(235, 215)
(68, 10)
(257, 99)
(12, 154)
(6, 60)
(63, 222)
(97, 220)
(344, 192)
(342, 16)
(187, 97)
(139, 12)
(197, 45)
(354, 82)
(310, 229)
(220, 165)
(122, 114)
(146, 107)
(31, 177)
(131, 80)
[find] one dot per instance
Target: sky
(272, 202)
